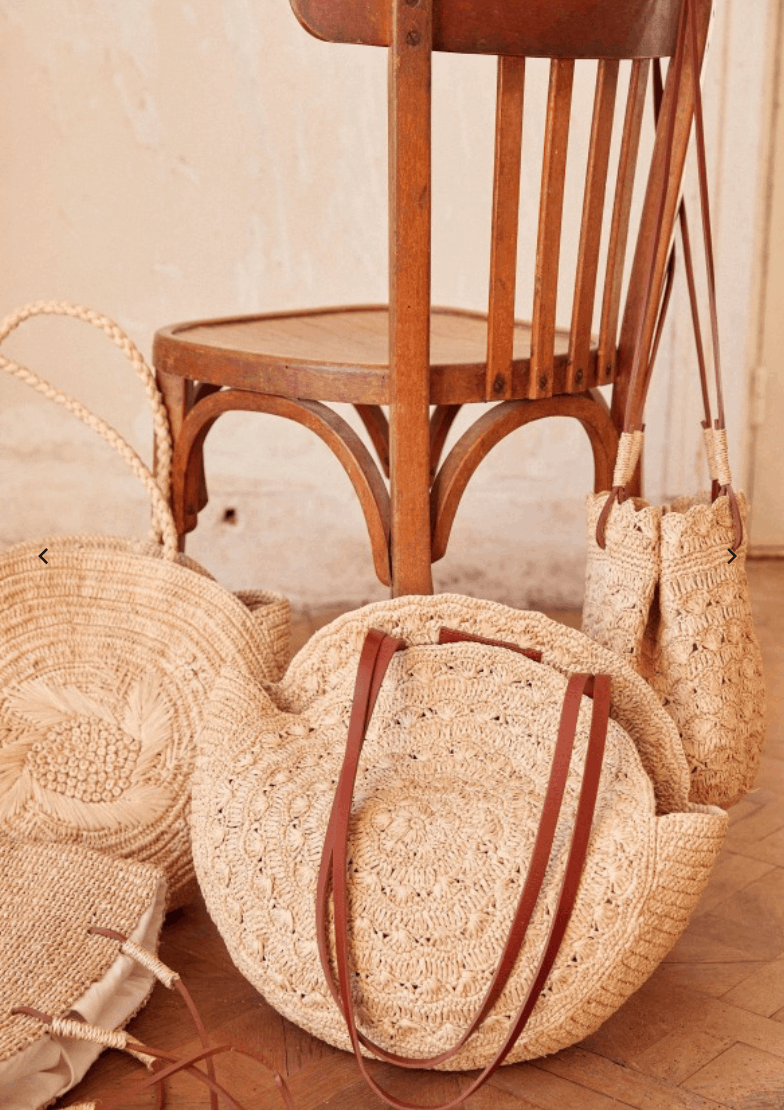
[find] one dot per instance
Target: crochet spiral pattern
(447, 802)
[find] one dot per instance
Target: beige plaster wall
(166, 159)
(766, 417)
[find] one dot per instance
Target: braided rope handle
(163, 527)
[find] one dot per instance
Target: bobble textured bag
(451, 787)
(107, 655)
(662, 587)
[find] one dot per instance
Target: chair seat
(342, 354)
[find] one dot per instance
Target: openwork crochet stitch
(447, 802)
(665, 595)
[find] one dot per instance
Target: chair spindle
(548, 247)
(577, 372)
(503, 249)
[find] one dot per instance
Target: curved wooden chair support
(441, 420)
(339, 436)
(377, 426)
(198, 478)
(590, 408)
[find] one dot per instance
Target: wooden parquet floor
(706, 1031)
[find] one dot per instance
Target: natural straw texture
(107, 655)
(448, 797)
(660, 588)
(50, 896)
(665, 596)
(624, 464)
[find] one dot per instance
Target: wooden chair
(424, 363)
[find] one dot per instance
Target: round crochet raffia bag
(450, 790)
(107, 654)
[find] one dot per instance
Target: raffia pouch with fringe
(448, 795)
(50, 897)
(107, 655)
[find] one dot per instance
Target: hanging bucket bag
(666, 587)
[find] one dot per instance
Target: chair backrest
(527, 28)
(563, 30)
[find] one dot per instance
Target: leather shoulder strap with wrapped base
(377, 653)
(715, 434)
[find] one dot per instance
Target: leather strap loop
(455, 636)
(375, 657)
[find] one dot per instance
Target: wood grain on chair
(407, 366)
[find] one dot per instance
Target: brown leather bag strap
(642, 361)
(361, 708)
(725, 485)
(531, 888)
(707, 422)
(658, 94)
(171, 1065)
(374, 661)
(455, 636)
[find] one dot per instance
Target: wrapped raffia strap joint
(93, 1034)
(142, 956)
(51, 893)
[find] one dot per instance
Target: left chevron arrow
(41, 556)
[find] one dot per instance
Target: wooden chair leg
(177, 396)
(409, 295)
(196, 494)
(409, 548)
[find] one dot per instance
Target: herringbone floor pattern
(706, 1031)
